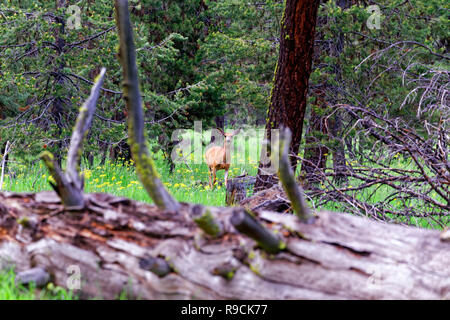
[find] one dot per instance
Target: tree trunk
(4, 153)
(120, 151)
(58, 112)
(288, 101)
(119, 244)
(338, 150)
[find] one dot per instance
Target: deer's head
(228, 136)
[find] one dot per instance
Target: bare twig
(81, 128)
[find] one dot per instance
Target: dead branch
(70, 185)
(138, 143)
(286, 175)
(81, 129)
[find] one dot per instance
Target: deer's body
(218, 158)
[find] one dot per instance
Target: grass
(187, 183)
(10, 291)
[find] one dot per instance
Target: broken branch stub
(144, 163)
(246, 224)
(158, 266)
(84, 121)
(286, 175)
(206, 221)
(70, 195)
(69, 185)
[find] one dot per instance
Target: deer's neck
(226, 153)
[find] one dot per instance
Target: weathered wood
(248, 225)
(70, 185)
(38, 276)
(156, 265)
(3, 166)
(273, 199)
(338, 256)
(286, 175)
(82, 126)
(206, 221)
(70, 195)
(131, 94)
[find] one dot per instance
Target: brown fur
(216, 158)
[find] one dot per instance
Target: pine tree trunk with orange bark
(288, 100)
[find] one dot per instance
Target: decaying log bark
(119, 244)
(272, 199)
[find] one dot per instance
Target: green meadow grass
(189, 181)
(10, 291)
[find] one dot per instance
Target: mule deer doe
(218, 158)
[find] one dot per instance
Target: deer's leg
(210, 177)
(214, 176)
(226, 177)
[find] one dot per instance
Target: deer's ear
(236, 131)
(221, 131)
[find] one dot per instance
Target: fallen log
(118, 244)
(272, 199)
